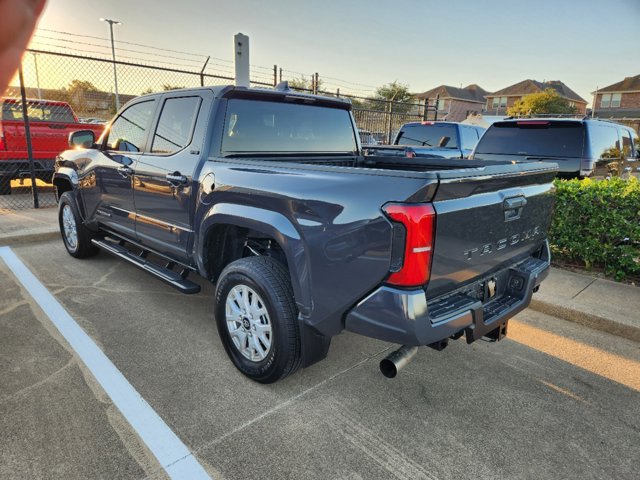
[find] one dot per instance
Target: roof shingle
(629, 84)
(528, 86)
(470, 93)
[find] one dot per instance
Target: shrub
(598, 223)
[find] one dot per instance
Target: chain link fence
(58, 93)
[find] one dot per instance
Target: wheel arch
(64, 179)
(226, 222)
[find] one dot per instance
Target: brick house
(454, 104)
(498, 102)
(620, 102)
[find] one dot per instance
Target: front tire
(76, 237)
(257, 318)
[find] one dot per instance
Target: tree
(547, 102)
(148, 90)
(78, 92)
(168, 86)
(395, 92)
(301, 83)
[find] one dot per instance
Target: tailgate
(488, 219)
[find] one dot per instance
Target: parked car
(367, 138)
(50, 124)
(265, 194)
(580, 147)
(484, 121)
(433, 140)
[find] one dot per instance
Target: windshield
(543, 139)
(253, 126)
(443, 136)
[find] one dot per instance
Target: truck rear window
(38, 112)
(443, 136)
(253, 126)
(546, 139)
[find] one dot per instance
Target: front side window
(128, 133)
(175, 125)
(253, 126)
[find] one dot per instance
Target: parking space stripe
(176, 459)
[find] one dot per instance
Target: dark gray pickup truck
(265, 193)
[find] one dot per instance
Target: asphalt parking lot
(553, 400)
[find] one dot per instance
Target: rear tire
(257, 319)
(76, 237)
(5, 185)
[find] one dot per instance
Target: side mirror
(82, 139)
(122, 145)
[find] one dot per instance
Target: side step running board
(169, 276)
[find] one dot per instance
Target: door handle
(514, 202)
(513, 208)
(176, 178)
(125, 171)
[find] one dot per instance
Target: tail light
(3, 145)
(418, 223)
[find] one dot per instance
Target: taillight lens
(419, 223)
(2, 144)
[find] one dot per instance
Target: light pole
(113, 54)
(35, 61)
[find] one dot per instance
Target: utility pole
(113, 55)
(35, 62)
(595, 101)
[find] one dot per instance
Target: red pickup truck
(50, 124)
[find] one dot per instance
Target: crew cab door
(107, 184)
(164, 186)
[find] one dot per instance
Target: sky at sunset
(358, 45)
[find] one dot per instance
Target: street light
(113, 54)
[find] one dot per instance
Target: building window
(441, 106)
(615, 100)
(605, 101)
(499, 102)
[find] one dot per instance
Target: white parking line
(173, 455)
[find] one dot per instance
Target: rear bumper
(408, 318)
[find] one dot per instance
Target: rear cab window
(38, 112)
(428, 135)
(268, 127)
(534, 138)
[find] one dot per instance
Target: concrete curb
(590, 320)
(30, 238)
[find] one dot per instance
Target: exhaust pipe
(390, 365)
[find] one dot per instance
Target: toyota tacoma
(266, 194)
